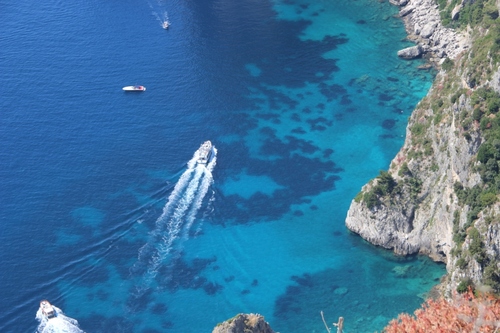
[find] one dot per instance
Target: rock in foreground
(244, 323)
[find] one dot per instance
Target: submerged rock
(244, 323)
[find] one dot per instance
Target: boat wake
(158, 12)
(58, 324)
(172, 228)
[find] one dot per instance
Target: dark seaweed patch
(345, 100)
(327, 152)
(319, 124)
(388, 123)
(333, 91)
(139, 302)
(299, 130)
(383, 97)
(212, 288)
(268, 131)
(159, 309)
(304, 280)
(183, 275)
(297, 175)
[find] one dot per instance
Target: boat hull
(47, 309)
(204, 153)
(134, 88)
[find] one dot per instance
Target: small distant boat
(165, 24)
(47, 309)
(134, 88)
(204, 152)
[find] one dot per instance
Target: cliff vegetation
(440, 196)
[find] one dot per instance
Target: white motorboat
(165, 24)
(204, 152)
(47, 309)
(134, 88)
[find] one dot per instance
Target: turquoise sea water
(105, 214)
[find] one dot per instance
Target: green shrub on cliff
(384, 186)
(447, 64)
(464, 285)
(476, 246)
(473, 13)
(491, 276)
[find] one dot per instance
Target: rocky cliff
(439, 196)
(244, 323)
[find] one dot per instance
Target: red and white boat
(134, 88)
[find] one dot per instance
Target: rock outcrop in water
(244, 323)
(411, 52)
(440, 195)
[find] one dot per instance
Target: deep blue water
(102, 214)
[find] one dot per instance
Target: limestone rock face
(418, 206)
(399, 2)
(406, 10)
(428, 30)
(424, 224)
(423, 25)
(411, 52)
(244, 323)
(456, 11)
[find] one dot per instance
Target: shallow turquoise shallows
(105, 211)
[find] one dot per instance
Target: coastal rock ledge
(410, 52)
(244, 323)
(416, 212)
(423, 25)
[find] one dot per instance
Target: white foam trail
(156, 9)
(165, 245)
(205, 184)
(181, 208)
(174, 197)
(58, 324)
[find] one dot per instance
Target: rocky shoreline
(244, 323)
(416, 207)
(423, 25)
(402, 225)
